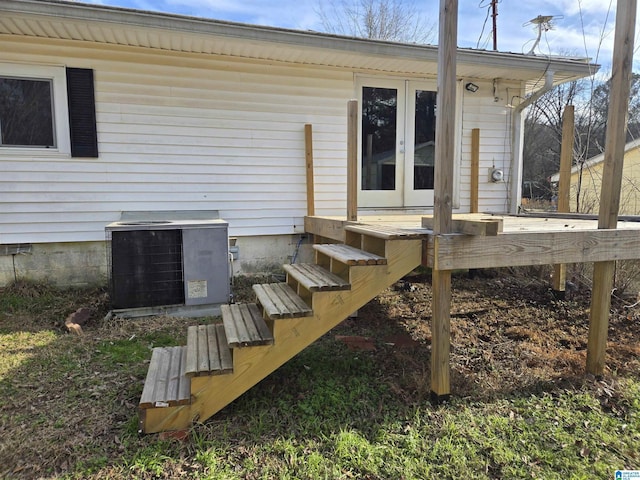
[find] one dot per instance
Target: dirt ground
(509, 332)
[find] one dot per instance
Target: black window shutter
(82, 112)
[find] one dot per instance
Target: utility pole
(494, 14)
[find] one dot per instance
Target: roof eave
(571, 68)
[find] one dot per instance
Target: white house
(105, 110)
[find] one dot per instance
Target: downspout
(518, 140)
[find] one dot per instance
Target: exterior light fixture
(471, 87)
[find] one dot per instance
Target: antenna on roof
(542, 23)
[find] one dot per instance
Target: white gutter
(517, 123)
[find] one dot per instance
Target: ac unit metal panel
(206, 265)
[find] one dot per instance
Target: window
(26, 112)
(47, 108)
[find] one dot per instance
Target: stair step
(245, 326)
(315, 278)
(350, 255)
(166, 384)
(387, 232)
(208, 352)
(280, 301)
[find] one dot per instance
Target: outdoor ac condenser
(162, 259)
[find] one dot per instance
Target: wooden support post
(445, 124)
(564, 185)
(475, 168)
(352, 160)
(308, 154)
(441, 335)
(611, 179)
(443, 196)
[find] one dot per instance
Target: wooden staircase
(220, 362)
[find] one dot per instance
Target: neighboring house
(141, 111)
(586, 180)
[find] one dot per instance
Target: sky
(582, 28)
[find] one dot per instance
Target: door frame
(404, 197)
(383, 198)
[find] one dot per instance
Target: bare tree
(394, 20)
(543, 133)
(543, 129)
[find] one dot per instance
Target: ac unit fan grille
(146, 269)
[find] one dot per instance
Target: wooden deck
(521, 240)
(487, 241)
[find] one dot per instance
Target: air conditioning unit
(168, 262)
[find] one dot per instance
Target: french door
(397, 143)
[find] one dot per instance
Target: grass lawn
(521, 409)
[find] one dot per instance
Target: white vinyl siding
(176, 132)
(493, 118)
(204, 132)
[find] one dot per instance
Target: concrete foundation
(86, 263)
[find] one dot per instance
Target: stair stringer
(209, 394)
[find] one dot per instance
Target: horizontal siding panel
(217, 141)
(190, 150)
(233, 185)
(220, 74)
(258, 105)
(114, 120)
(167, 114)
(59, 212)
(257, 87)
(218, 100)
(257, 131)
(165, 174)
(160, 164)
(486, 117)
(216, 201)
(150, 202)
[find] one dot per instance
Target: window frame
(60, 117)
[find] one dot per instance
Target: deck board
(244, 326)
(280, 301)
(412, 224)
(524, 240)
(350, 255)
(315, 278)
(166, 384)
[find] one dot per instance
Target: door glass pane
(379, 112)
(425, 140)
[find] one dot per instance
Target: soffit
(117, 26)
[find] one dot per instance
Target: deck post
(611, 179)
(475, 169)
(352, 160)
(564, 186)
(443, 197)
(308, 153)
